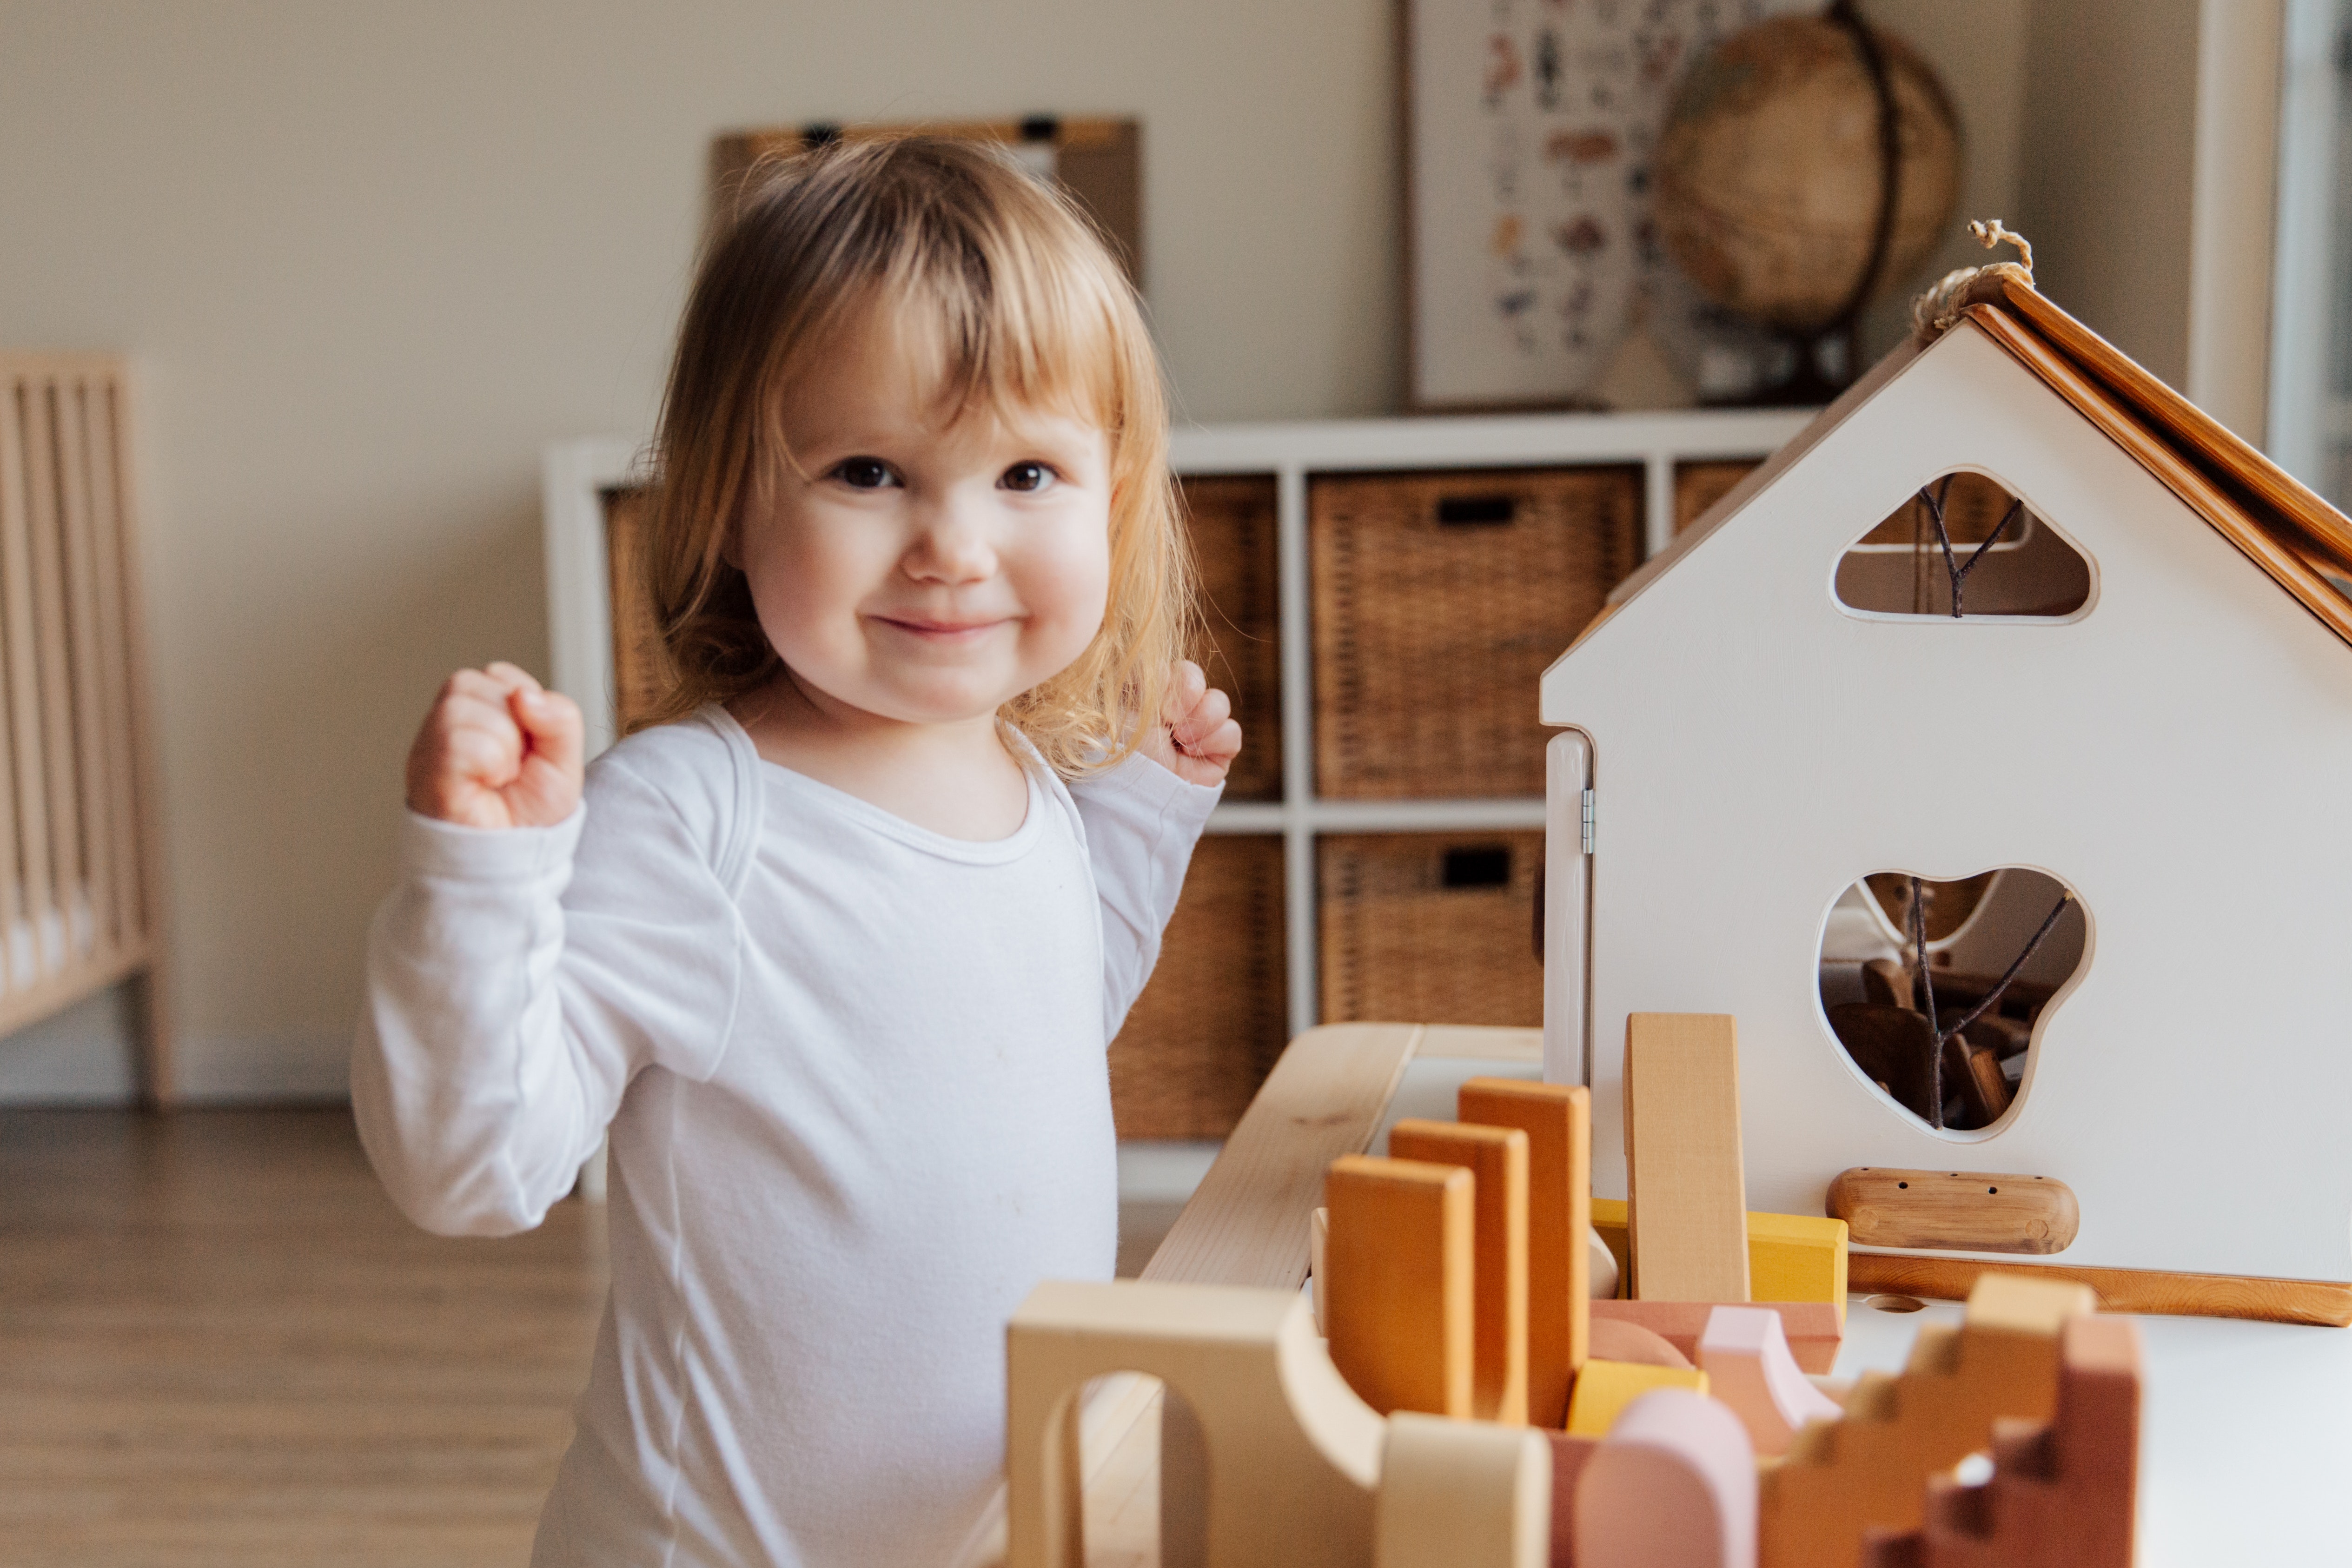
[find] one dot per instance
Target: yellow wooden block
(1604, 1388)
(1790, 1257)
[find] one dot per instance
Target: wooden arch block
(1672, 1486)
(1293, 1457)
(1496, 1159)
(1745, 1356)
(1558, 1120)
(1398, 1298)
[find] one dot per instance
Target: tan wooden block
(1686, 1189)
(1399, 1264)
(1496, 1159)
(1558, 1120)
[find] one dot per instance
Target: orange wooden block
(1496, 1159)
(1869, 1470)
(1812, 1328)
(1558, 1120)
(1685, 1185)
(1399, 1264)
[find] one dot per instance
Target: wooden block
(1869, 1470)
(1462, 1492)
(1790, 1257)
(1603, 1268)
(1812, 1328)
(1889, 983)
(1293, 1459)
(2061, 1495)
(1557, 1124)
(1318, 1239)
(1797, 1258)
(1672, 1486)
(1965, 1211)
(1746, 1358)
(1558, 1120)
(1685, 1189)
(1496, 1159)
(1399, 1262)
(1614, 1339)
(1604, 1388)
(1569, 1454)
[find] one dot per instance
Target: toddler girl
(834, 949)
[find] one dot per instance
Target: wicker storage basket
(640, 663)
(1430, 925)
(1439, 599)
(1232, 517)
(1206, 1030)
(1698, 485)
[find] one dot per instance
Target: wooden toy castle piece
(1748, 1367)
(1297, 1465)
(1496, 1159)
(2169, 749)
(1671, 1485)
(1810, 1328)
(1870, 1468)
(1397, 1293)
(2061, 1495)
(1558, 1120)
(1687, 1201)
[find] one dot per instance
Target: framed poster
(1535, 277)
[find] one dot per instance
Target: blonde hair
(1028, 309)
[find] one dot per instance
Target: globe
(1768, 178)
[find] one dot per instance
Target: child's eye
(863, 473)
(1028, 477)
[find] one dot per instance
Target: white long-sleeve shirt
(855, 1077)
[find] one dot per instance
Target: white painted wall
(370, 258)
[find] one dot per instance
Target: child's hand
(1196, 737)
(497, 751)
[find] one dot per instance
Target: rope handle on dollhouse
(1935, 310)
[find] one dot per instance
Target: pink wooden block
(1671, 1485)
(1813, 1327)
(1746, 1358)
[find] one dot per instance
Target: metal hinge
(1588, 821)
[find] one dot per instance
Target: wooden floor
(221, 1344)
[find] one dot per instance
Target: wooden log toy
(1604, 1388)
(1870, 1468)
(1671, 1485)
(1812, 1328)
(1496, 1159)
(1971, 1211)
(1399, 1292)
(1686, 1188)
(1558, 1120)
(1748, 1368)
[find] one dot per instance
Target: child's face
(920, 571)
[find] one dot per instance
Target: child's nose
(952, 545)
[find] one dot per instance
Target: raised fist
(497, 750)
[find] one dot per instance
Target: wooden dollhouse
(2155, 727)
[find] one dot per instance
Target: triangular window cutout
(1990, 555)
(2001, 947)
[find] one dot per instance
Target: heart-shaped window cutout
(1949, 1041)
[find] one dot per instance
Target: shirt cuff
(431, 847)
(1144, 779)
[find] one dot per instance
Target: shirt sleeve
(1142, 824)
(517, 979)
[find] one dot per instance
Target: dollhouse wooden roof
(2272, 518)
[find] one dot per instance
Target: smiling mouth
(939, 631)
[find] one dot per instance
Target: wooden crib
(80, 895)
